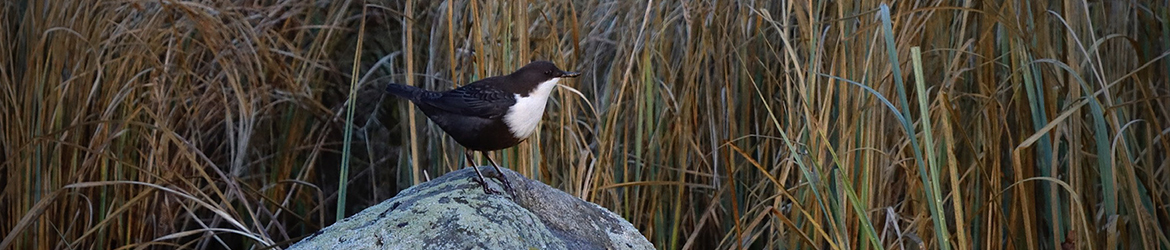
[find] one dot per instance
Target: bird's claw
(507, 185)
(486, 189)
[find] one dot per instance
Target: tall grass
(708, 125)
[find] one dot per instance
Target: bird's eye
(548, 72)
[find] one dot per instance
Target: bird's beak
(569, 74)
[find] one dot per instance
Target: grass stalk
(408, 53)
(930, 196)
(742, 125)
(343, 183)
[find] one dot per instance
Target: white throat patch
(523, 117)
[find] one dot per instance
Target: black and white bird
(491, 114)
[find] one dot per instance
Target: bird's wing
(475, 99)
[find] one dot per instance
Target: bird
(490, 114)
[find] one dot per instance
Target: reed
(708, 125)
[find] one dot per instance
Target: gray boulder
(452, 212)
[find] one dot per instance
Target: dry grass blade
(708, 125)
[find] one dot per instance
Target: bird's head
(538, 72)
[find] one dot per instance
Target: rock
(452, 212)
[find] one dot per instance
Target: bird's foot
(507, 185)
(486, 189)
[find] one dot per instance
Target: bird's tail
(408, 92)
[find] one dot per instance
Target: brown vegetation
(753, 124)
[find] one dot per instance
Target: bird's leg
(503, 178)
(481, 180)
